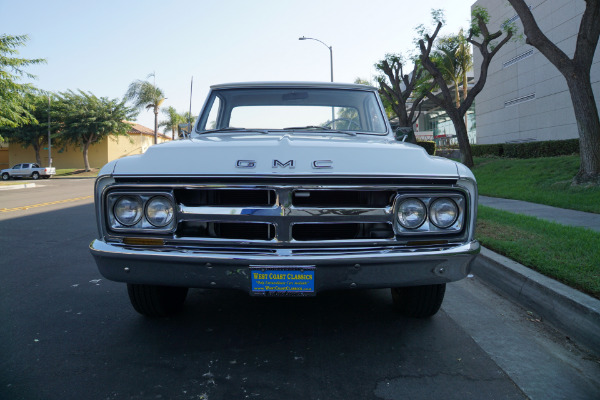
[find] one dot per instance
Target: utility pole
(49, 137)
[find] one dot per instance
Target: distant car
(28, 170)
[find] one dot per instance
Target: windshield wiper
(231, 129)
(318, 127)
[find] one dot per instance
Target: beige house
(111, 148)
(4, 156)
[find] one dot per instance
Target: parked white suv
(286, 189)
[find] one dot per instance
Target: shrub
(482, 150)
(549, 148)
(429, 147)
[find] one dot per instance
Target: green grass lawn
(568, 254)
(539, 180)
(73, 172)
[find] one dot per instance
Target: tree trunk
(86, 147)
(155, 125)
(173, 130)
(456, 94)
(463, 139)
(588, 125)
(465, 92)
(38, 159)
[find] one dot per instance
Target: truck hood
(235, 154)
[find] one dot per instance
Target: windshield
(306, 109)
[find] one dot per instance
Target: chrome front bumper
(334, 268)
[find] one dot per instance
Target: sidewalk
(555, 214)
(573, 312)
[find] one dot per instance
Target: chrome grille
(285, 214)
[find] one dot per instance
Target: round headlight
(411, 213)
(128, 210)
(443, 212)
(159, 211)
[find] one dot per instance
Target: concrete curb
(573, 312)
(23, 186)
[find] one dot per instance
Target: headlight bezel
(432, 214)
(143, 225)
(148, 205)
(140, 207)
(428, 227)
(398, 210)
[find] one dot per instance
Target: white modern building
(526, 98)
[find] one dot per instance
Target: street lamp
(330, 52)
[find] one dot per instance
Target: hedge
(429, 146)
(549, 148)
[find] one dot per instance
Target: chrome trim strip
(294, 214)
(284, 256)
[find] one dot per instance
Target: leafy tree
(576, 71)
(144, 94)
(397, 88)
(85, 119)
(488, 47)
(35, 132)
(15, 109)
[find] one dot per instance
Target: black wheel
(156, 301)
(35, 175)
(418, 301)
(5, 176)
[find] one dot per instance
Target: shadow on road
(67, 333)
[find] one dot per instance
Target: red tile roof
(141, 129)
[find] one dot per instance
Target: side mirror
(406, 134)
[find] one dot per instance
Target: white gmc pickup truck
(286, 189)
(27, 170)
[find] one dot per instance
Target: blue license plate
(283, 281)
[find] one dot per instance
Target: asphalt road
(67, 333)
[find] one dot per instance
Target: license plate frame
(282, 280)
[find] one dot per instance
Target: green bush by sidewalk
(429, 146)
(549, 148)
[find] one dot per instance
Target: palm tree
(454, 59)
(144, 94)
(465, 59)
(173, 120)
(447, 61)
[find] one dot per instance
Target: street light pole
(331, 70)
(330, 53)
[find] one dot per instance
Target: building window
(518, 58)
(519, 100)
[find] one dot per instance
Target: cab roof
(284, 84)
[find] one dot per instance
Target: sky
(103, 46)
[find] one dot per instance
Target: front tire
(156, 301)
(35, 175)
(5, 176)
(418, 301)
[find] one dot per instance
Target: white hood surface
(218, 155)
